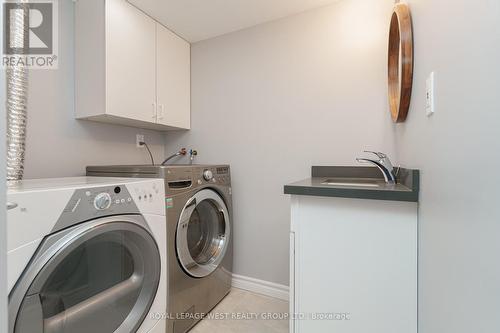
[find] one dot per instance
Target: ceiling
(196, 20)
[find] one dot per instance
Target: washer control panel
(208, 175)
(216, 175)
(191, 177)
(222, 175)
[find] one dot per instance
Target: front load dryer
(86, 255)
(199, 236)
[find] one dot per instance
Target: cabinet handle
(154, 111)
(11, 205)
(160, 113)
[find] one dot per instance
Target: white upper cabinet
(173, 80)
(130, 70)
(130, 62)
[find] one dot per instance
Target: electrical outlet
(138, 139)
(429, 95)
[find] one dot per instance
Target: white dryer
(87, 255)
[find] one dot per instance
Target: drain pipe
(17, 96)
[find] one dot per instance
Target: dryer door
(100, 276)
(203, 233)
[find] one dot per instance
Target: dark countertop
(406, 189)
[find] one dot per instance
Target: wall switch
(138, 139)
(429, 95)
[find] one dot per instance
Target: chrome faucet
(383, 163)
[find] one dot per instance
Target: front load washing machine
(199, 236)
(86, 255)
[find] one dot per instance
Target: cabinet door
(173, 79)
(130, 62)
(355, 265)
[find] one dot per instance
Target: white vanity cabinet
(129, 69)
(353, 265)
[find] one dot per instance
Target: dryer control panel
(97, 200)
(141, 197)
(149, 196)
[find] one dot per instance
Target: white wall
(310, 89)
(458, 152)
(3, 223)
(57, 144)
(275, 99)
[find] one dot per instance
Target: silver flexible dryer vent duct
(17, 99)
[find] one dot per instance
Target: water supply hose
(181, 152)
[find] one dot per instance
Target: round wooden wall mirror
(400, 62)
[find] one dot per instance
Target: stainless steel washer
(199, 236)
(203, 233)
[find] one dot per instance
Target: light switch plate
(430, 107)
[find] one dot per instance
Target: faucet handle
(379, 154)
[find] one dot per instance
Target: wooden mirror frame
(400, 74)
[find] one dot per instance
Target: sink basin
(350, 182)
(357, 182)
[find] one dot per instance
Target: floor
(245, 312)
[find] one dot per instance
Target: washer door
(101, 276)
(203, 233)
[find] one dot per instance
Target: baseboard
(261, 287)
